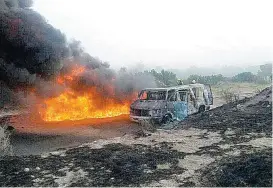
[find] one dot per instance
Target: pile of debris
(227, 146)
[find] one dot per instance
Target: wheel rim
(167, 119)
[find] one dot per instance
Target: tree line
(166, 78)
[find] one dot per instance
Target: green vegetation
(265, 72)
(163, 78)
(166, 78)
(213, 79)
(244, 77)
(263, 76)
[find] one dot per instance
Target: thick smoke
(33, 53)
(29, 47)
(107, 81)
(28, 41)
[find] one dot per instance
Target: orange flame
(72, 105)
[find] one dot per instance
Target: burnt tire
(201, 109)
(167, 119)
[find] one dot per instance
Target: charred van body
(174, 103)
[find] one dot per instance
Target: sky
(167, 33)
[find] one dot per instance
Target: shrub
(244, 77)
(213, 79)
(229, 96)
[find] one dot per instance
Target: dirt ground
(242, 90)
(36, 138)
(32, 138)
(227, 146)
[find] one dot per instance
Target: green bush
(164, 78)
(213, 79)
(244, 77)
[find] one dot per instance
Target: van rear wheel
(167, 119)
(201, 109)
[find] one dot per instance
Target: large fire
(88, 103)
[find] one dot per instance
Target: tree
(213, 79)
(265, 73)
(164, 78)
(168, 78)
(244, 77)
(266, 69)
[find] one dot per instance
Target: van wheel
(167, 119)
(201, 109)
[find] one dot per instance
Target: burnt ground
(227, 146)
(113, 165)
(250, 115)
(253, 169)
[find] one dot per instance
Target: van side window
(183, 96)
(191, 97)
(172, 95)
(196, 91)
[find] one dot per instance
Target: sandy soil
(32, 137)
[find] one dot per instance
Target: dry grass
(229, 96)
(239, 87)
(5, 146)
(229, 91)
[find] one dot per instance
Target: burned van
(174, 103)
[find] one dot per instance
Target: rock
(163, 166)
(26, 169)
(148, 171)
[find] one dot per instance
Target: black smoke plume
(32, 53)
(28, 41)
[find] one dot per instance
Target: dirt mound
(245, 116)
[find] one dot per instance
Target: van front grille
(139, 112)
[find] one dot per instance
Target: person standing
(179, 82)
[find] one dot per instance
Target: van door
(192, 103)
(208, 94)
(180, 105)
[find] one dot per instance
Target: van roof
(176, 87)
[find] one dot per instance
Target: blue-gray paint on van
(180, 110)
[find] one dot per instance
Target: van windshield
(152, 95)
